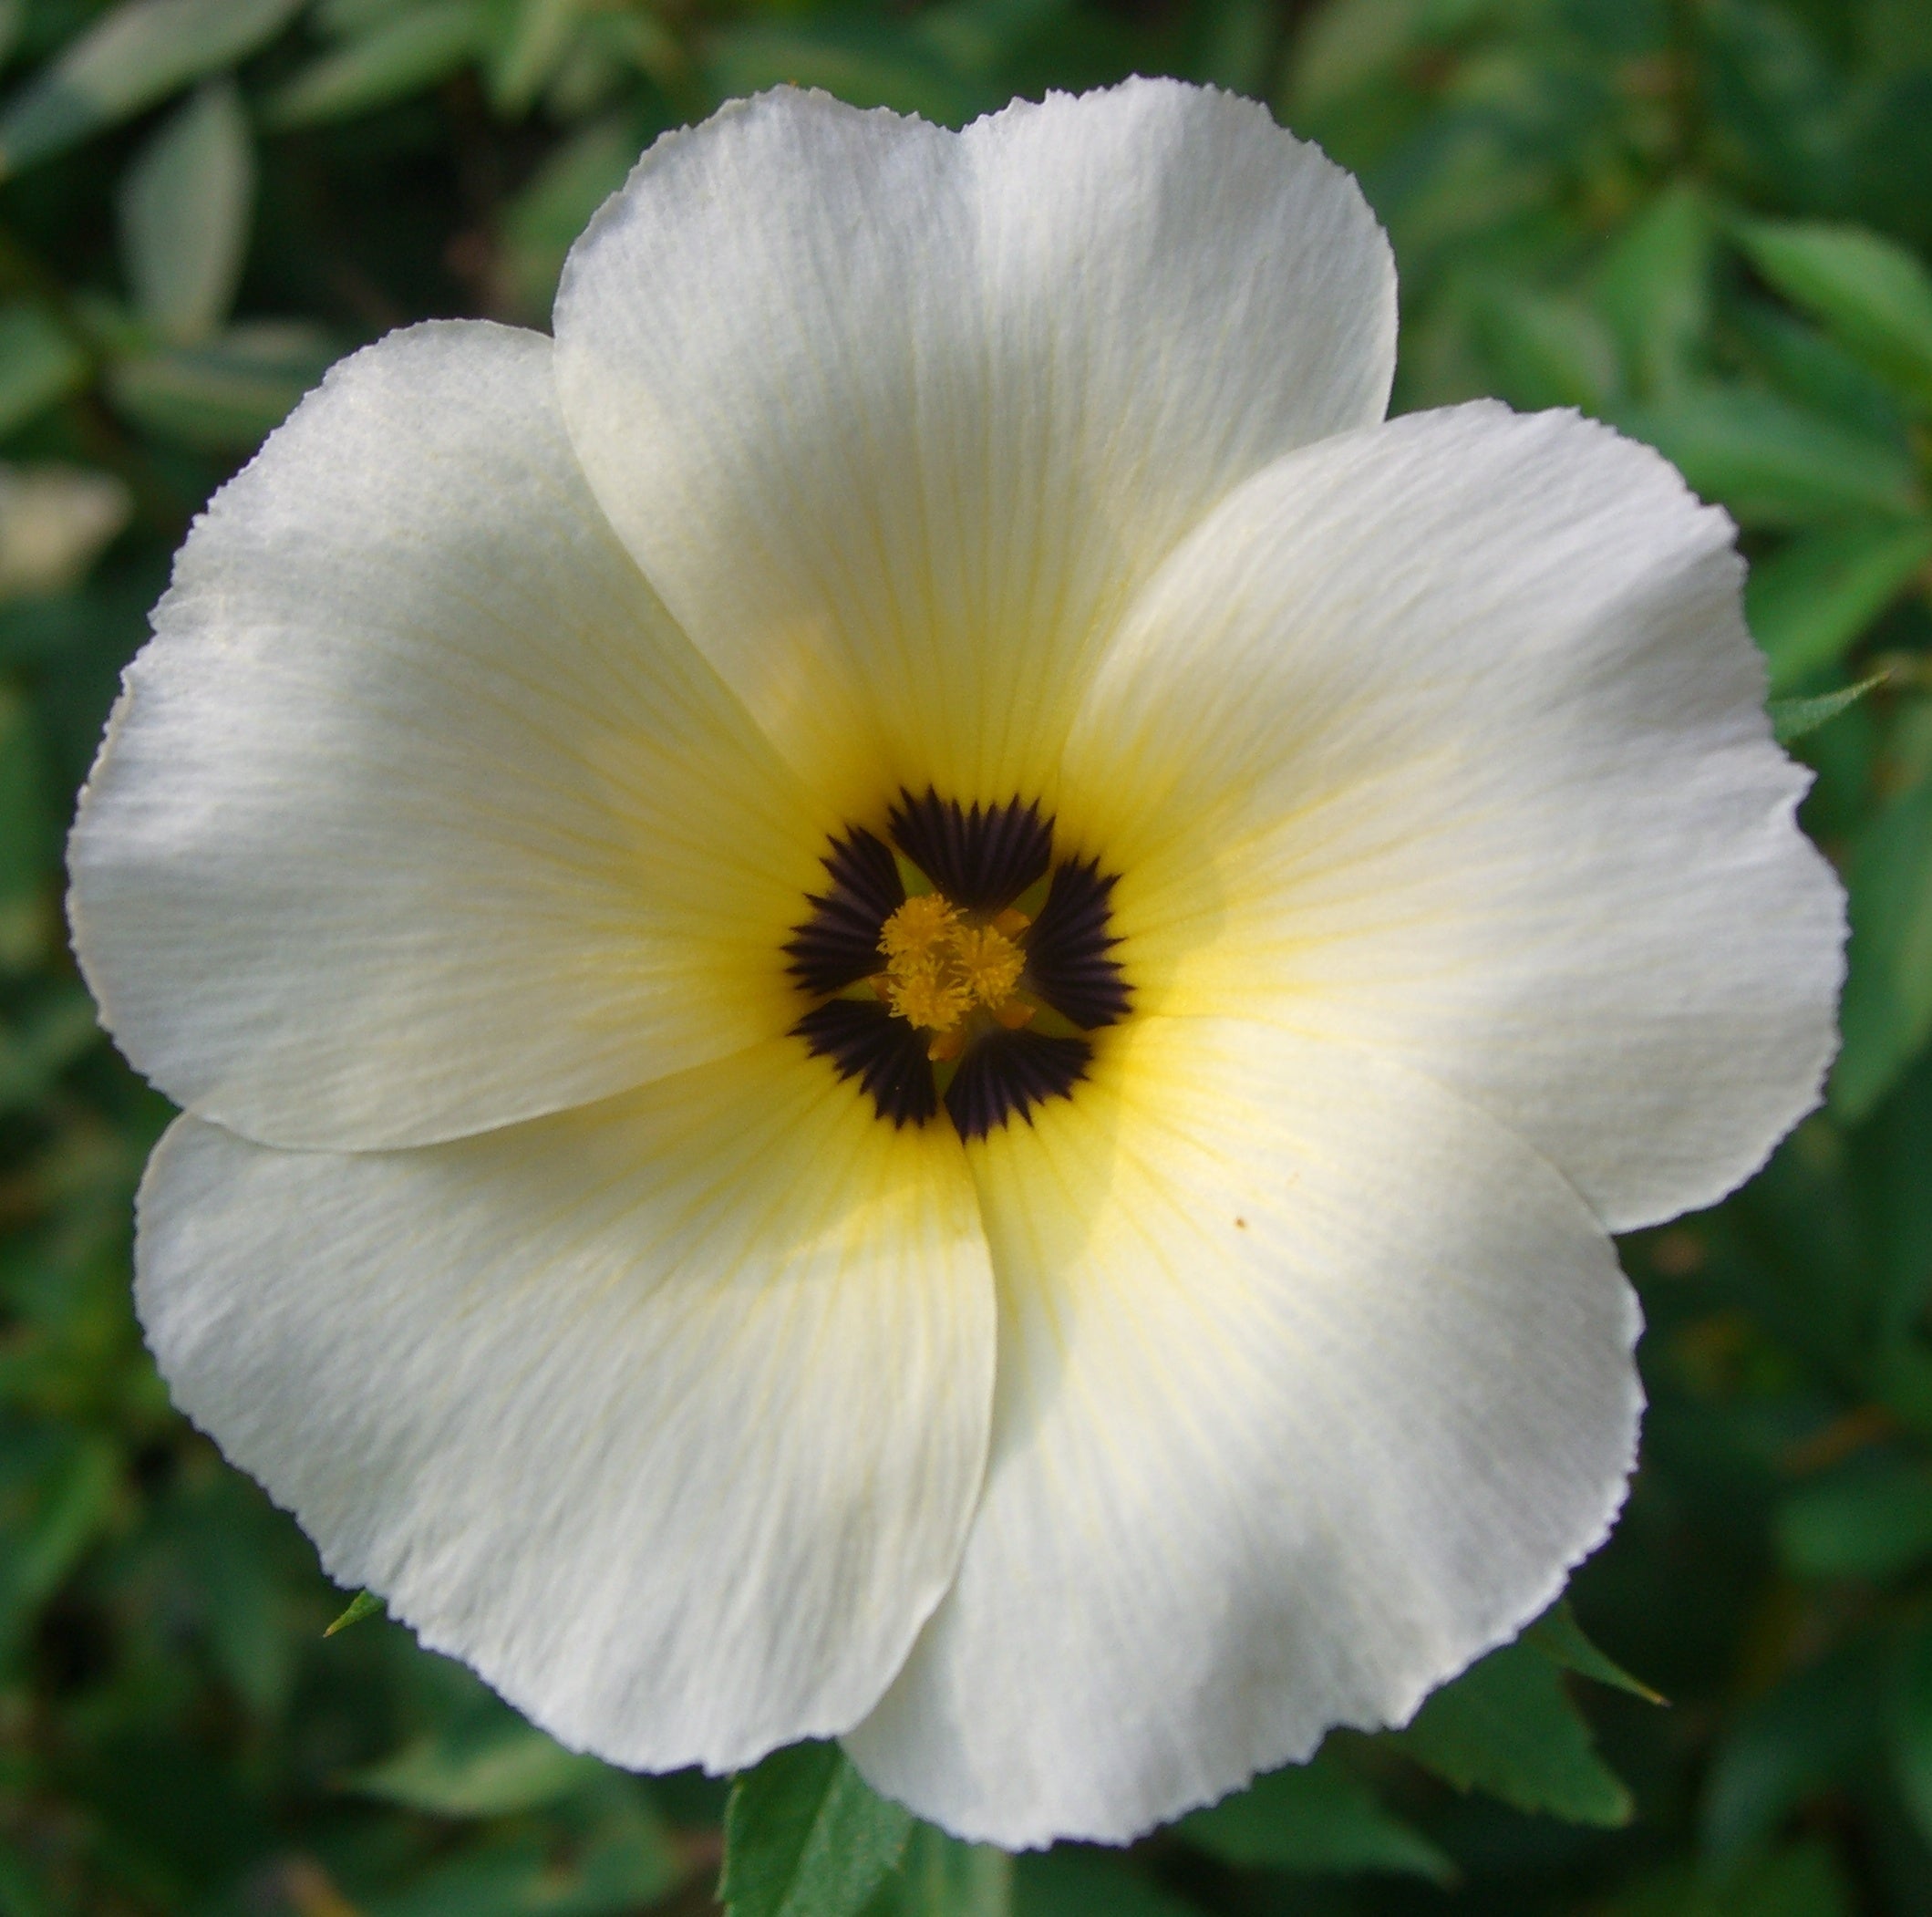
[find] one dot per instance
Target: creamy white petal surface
(667, 1414)
(418, 814)
(1448, 739)
(896, 420)
(1313, 1381)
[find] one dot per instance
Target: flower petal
(418, 814)
(1447, 739)
(1313, 1381)
(667, 1415)
(897, 419)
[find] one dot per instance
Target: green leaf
(1071, 1882)
(40, 365)
(401, 55)
(1314, 1817)
(65, 1499)
(941, 1876)
(540, 223)
(364, 1604)
(483, 1766)
(1805, 364)
(43, 1044)
(1550, 350)
(1910, 1726)
(26, 837)
(1560, 1638)
(605, 1873)
(21, 1894)
(140, 53)
(1887, 1011)
(868, 63)
(1507, 1726)
(227, 395)
(1773, 463)
(1812, 1730)
(1812, 601)
(1801, 1880)
(1795, 719)
(806, 1837)
(1872, 1520)
(1237, 44)
(979, 36)
(1653, 287)
(184, 213)
(536, 37)
(1868, 290)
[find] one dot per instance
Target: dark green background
(1592, 204)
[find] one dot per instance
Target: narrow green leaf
(184, 213)
(977, 37)
(1867, 290)
(805, 1837)
(1776, 464)
(1653, 287)
(1814, 1729)
(1803, 1879)
(1549, 349)
(1811, 602)
(533, 42)
(1507, 1726)
(226, 395)
(40, 365)
(1887, 1011)
(140, 53)
(1560, 1638)
(1070, 1881)
(1910, 1726)
(542, 222)
(22, 1892)
(941, 1876)
(401, 55)
(869, 63)
(1237, 44)
(1872, 1520)
(1314, 1817)
(1805, 364)
(364, 1604)
(1793, 719)
(42, 1045)
(71, 1496)
(26, 839)
(488, 1767)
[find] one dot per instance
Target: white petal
(897, 419)
(1312, 1382)
(1447, 739)
(418, 814)
(667, 1415)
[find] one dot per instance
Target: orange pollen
(940, 968)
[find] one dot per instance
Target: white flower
(490, 853)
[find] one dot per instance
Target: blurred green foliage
(1705, 221)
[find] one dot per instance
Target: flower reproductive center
(962, 965)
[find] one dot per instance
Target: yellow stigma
(939, 969)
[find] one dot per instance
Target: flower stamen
(941, 968)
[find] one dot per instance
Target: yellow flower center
(942, 966)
